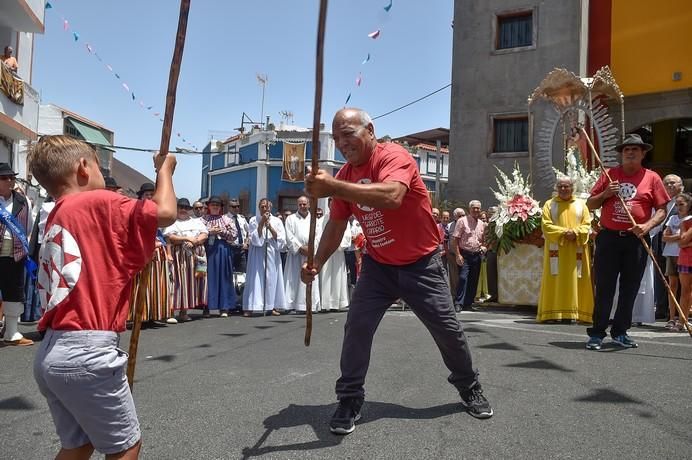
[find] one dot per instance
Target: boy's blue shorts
(82, 376)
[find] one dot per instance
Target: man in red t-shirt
(618, 249)
(382, 187)
(95, 242)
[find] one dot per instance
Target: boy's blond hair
(53, 158)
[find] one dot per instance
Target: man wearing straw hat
(618, 249)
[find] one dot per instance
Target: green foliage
(512, 232)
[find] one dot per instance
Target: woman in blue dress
(222, 232)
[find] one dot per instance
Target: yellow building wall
(649, 41)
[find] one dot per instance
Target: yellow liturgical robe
(566, 290)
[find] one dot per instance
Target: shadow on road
(318, 418)
(16, 403)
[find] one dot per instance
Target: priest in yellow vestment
(566, 290)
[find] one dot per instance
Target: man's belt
(621, 233)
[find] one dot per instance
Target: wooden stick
(163, 150)
(317, 115)
(140, 302)
(671, 295)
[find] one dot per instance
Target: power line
(412, 102)
(193, 152)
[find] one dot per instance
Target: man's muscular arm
(382, 195)
(331, 238)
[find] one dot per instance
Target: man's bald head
(354, 135)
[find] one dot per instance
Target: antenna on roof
(287, 116)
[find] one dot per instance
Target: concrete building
(19, 101)
(57, 120)
(504, 48)
(426, 147)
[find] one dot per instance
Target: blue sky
(228, 43)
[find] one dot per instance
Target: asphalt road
(248, 388)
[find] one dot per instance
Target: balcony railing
(19, 102)
(11, 85)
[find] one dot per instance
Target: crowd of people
(170, 257)
(218, 261)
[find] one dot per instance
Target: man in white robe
(334, 275)
(297, 233)
(267, 237)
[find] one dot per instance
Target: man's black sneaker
(475, 403)
(624, 341)
(346, 415)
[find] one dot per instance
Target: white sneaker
(171, 321)
(224, 315)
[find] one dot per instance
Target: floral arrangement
(583, 179)
(518, 216)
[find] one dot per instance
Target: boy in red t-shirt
(95, 241)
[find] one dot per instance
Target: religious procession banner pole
(641, 238)
(317, 115)
(163, 150)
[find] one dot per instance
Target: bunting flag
(91, 50)
(374, 34)
(359, 80)
(388, 7)
(348, 99)
(293, 169)
(366, 60)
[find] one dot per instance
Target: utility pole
(262, 80)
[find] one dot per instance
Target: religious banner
(293, 163)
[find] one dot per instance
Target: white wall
(50, 120)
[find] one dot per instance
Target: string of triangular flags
(150, 109)
(374, 36)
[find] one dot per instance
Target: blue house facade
(249, 167)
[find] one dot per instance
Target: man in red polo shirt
(381, 186)
(618, 249)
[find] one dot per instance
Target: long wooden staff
(163, 150)
(317, 115)
(671, 295)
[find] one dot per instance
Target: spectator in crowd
(240, 244)
(566, 292)
(112, 184)
(319, 213)
(158, 306)
(672, 235)
(222, 233)
(669, 250)
(297, 232)
(452, 267)
(334, 275)
(264, 283)
(284, 249)
(352, 252)
(444, 226)
(491, 263)
(198, 209)
(15, 222)
(9, 60)
(468, 242)
(618, 249)
(187, 237)
(684, 205)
